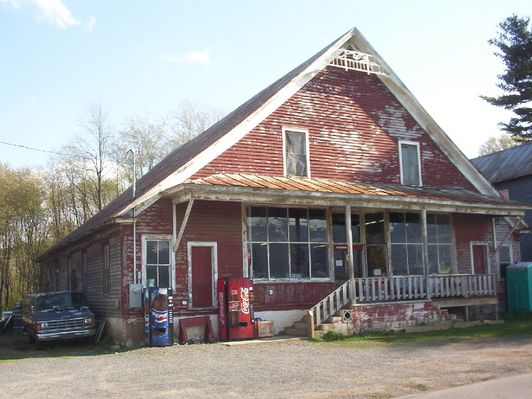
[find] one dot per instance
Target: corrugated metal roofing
(506, 164)
(327, 186)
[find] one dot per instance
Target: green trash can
(519, 287)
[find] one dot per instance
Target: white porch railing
(401, 288)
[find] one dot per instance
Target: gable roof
(506, 164)
(186, 160)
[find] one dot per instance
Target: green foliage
(514, 43)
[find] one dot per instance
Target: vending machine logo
(244, 297)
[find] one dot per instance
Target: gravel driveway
(296, 369)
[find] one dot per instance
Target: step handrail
(332, 303)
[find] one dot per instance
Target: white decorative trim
(307, 145)
(416, 144)
(214, 271)
(157, 237)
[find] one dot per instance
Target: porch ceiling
(326, 192)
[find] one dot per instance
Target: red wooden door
(202, 288)
(479, 259)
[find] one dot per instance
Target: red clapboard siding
(354, 125)
(290, 295)
(469, 228)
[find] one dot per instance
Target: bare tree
(494, 144)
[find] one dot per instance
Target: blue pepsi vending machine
(158, 316)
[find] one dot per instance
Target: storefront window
(288, 243)
(407, 247)
(375, 248)
(440, 245)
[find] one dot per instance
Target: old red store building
(332, 186)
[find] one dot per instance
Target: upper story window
(296, 159)
(410, 163)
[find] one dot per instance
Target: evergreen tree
(515, 49)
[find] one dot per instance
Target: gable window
(106, 272)
(288, 243)
(410, 163)
(505, 259)
(296, 153)
(157, 262)
(440, 244)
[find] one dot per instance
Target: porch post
(349, 235)
(425, 251)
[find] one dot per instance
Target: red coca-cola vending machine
(235, 308)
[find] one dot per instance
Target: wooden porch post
(425, 251)
(349, 235)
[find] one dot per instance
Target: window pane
(299, 260)
(277, 225)
(298, 225)
(399, 259)
(355, 227)
(374, 228)
(397, 227)
(504, 254)
(338, 225)
(257, 224)
(164, 278)
(431, 228)
(413, 227)
(279, 260)
(415, 259)
(319, 254)
(151, 274)
(433, 259)
(446, 263)
(317, 225)
(164, 257)
(376, 260)
(410, 165)
(151, 252)
(260, 260)
(296, 153)
(444, 229)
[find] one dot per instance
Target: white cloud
(192, 57)
(200, 57)
(91, 21)
(15, 4)
(56, 13)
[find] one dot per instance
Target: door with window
(479, 253)
(202, 271)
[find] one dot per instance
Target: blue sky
(146, 57)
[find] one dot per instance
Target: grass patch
(515, 326)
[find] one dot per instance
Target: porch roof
(316, 191)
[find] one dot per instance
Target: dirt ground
(296, 369)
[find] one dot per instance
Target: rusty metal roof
(506, 164)
(259, 183)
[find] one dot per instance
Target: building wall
(354, 125)
(520, 189)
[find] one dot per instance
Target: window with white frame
(505, 259)
(407, 246)
(440, 244)
(410, 163)
(288, 243)
(157, 262)
(296, 153)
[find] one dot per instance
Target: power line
(35, 149)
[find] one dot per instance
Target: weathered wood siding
(520, 189)
(354, 125)
(104, 304)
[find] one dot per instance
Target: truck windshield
(61, 301)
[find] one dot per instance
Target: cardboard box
(264, 328)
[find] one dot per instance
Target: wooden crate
(264, 328)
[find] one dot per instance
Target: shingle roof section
(506, 164)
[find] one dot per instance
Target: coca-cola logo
(244, 298)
